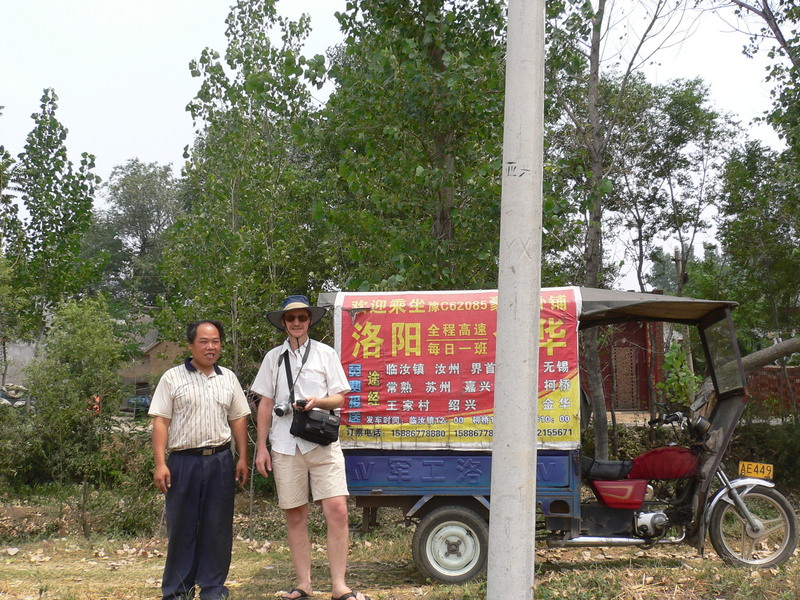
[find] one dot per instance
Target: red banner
(421, 367)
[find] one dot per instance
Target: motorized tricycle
(417, 430)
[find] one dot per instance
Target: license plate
(759, 470)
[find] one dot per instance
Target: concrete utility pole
(513, 513)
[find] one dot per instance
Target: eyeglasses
(291, 318)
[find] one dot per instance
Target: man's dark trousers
(199, 507)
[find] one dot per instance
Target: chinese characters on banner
(421, 367)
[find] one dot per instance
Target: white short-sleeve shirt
(322, 375)
(198, 405)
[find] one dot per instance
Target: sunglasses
(291, 318)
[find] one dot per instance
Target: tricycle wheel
(738, 544)
(451, 544)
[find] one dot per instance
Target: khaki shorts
(322, 467)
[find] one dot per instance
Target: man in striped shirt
(196, 408)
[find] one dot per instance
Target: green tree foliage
(620, 146)
(76, 390)
(143, 203)
(667, 165)
(713, 275)
(412, 139)
(680, 383)
(57, 197)
(248, 238)
(11, 303)
(9, 216)
(78, 364)
(11, 298)
(104, 250)
(759, 228)
(663, 273)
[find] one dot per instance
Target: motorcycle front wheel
(737, 543)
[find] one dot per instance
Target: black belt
(208, 451)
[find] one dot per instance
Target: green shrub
(765, 409)
(127, 510)
(777, 444)
(680, 384)
(21, 457)
(76, 390)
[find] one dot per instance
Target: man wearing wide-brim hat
(318, 379)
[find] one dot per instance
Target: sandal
(304, 595)
(352, 594)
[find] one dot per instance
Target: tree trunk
(613, 404)
(789, 388)
(443, 158)
(594, 241)
(651, 379)
(5, 361)
(596, 395)
(680, 259)
(84, 510)
(443, 228)
(759, 359)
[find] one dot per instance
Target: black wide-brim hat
(295, 303)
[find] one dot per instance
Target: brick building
(772, 382)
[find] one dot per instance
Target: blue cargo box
(445, 473)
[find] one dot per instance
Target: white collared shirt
(198, 405)
(321, 376)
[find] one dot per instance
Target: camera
(282, 409)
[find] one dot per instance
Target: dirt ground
(71, 567)
(77, 569)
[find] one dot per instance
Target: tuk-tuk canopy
(604, 307)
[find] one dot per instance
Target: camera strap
(289, 379)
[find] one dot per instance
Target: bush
(777, 444)
(21, 457)
(122, 503)
(764, 409)
(76, 389)
(126, 510)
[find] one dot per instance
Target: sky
(120, 69)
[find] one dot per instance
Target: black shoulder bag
(313, 425)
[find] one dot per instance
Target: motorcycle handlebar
(676, 417)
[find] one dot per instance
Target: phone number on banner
(392, 433)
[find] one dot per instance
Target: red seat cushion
(668, 462)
